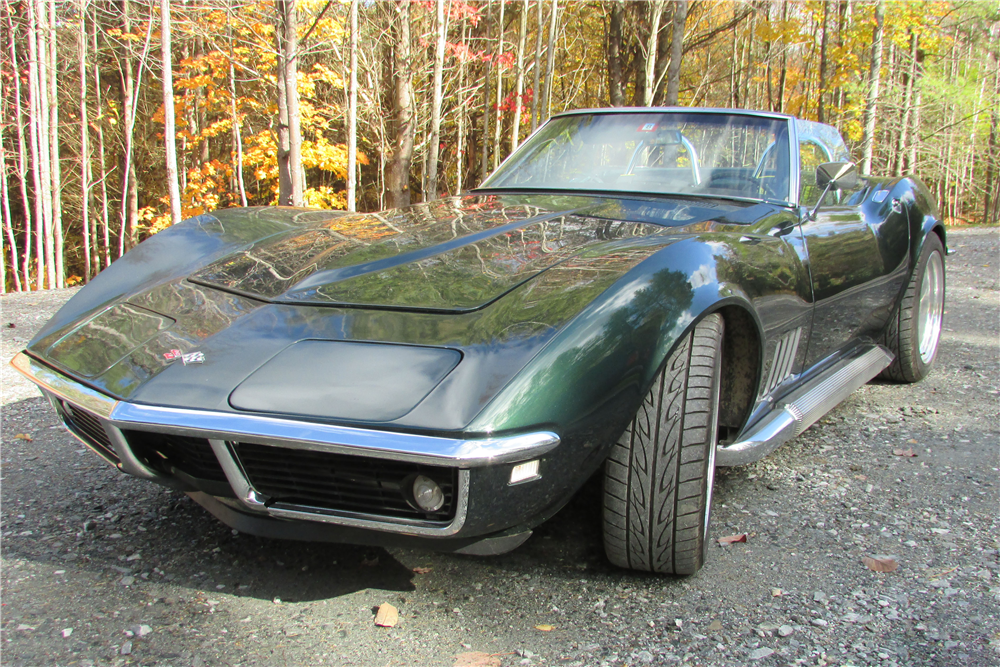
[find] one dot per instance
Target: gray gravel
(102, 569)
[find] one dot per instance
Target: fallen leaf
(714, 626)
(422, 570)
(903, 452)
(545, 627)
(880, 564)
(912, 441)
(387, 616)
(23, 436)
(742, 537)
(476, 659)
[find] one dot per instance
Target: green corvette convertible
(643, 294)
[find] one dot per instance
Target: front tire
(914, 331)
(658, 478)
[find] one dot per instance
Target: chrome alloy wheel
(931, 307)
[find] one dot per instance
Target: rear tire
(914, 331)
(658, 478)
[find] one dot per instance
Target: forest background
(120, 117)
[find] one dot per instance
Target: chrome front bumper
(221, 428)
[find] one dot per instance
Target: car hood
(454, 255)
(185, 318)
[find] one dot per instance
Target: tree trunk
(22, 153)
(398, 178)
(99, 100)
(515, 132)
(655, 13)
(128, 102)
(84, 146)
(551, 64)
(820, 110)
(484, 156)
(237, 132)
(535, 89)
(352, 113)
(290, 64)
(874, 74)
(39, 151)
(616, 85)
(907, 106)
(498, 119)
(5, 215)
(460, 139)
(56, 192)
(434, 147)
(169, 133)
(676, 52)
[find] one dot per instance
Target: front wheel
(658, 478)
(914, 331)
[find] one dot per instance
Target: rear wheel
(915, 329)
(658, 478)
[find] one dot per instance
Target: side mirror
(837, 175)
(834, 176)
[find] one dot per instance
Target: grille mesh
(342, 482)
(88, 426)
(165, 452)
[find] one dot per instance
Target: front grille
(166, 453)
(89, 428)
(342, 482)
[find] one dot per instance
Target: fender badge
(190, 358)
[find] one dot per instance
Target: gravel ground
(102, 569)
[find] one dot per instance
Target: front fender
(591, 377)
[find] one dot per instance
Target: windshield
(708, 154)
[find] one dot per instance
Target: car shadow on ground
(132, 534)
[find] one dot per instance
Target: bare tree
(56, 192)
(676, 52)
(551, 65)
(85, 230)
(22, 152)
(352, 112)
(616, 82)
(498, 114)
(535, 91)
(874, 74)
(292, 180)
(8, 223)
(38, 122)
(515, 132)
(655, 13)
(398, 177)
(169, 134)
(434, 145)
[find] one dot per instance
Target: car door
(856, 257)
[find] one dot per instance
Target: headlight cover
(373, 382)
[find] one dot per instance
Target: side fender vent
(784, 357)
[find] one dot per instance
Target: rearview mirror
(834, 176)
(837, 175)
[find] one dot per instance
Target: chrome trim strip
(433, 450)
(803, 407)
(252, 500)
(130, 463)
(296, 434)
(60, 385)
